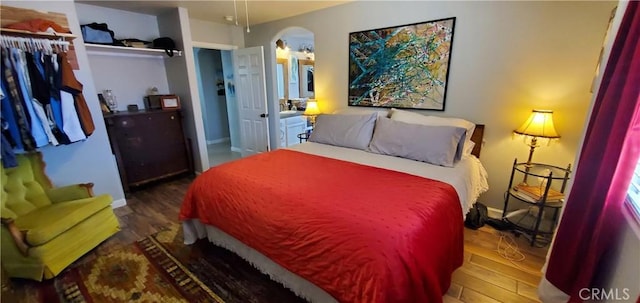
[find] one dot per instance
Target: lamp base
(527, 167)
(534, 144)
(312, 121)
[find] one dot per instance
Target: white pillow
(415, 118)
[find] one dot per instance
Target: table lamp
(312, 111)
(538, 125)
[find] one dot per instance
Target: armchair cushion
(21, 191)
(71, 192)
(46, 223)
(22, 187)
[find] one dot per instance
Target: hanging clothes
(7, 115)
(37, 129)
(71, 126)
(7, 143)
(72, 85)
(41, 98)
(42, 101)
(53, 79)
(16, 102)
(41, 92)
(38, 118)
(8, 156)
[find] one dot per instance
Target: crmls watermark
(601, 294)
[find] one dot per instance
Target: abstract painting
(403, 67)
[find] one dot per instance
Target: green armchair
(45, 229)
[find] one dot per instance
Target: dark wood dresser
(148, 145)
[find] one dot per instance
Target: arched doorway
(294, 81)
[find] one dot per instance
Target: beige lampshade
(539, 124)
(312, 108)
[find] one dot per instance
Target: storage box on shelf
(542, 188)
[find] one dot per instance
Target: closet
(42, 101)
(148, 144)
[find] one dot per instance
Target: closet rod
(31, 44)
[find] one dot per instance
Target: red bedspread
(362, 234)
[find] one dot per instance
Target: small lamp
(312, 111)
(538, 125)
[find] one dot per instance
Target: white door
(251, 93)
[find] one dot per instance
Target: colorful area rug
(160, 268)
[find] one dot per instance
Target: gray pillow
(439, 145)
(353, 131)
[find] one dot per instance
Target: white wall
(130, 78)
(91, 160)
(211, 32)
(294, 43)
(507, 58)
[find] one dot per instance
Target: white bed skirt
(194, 230)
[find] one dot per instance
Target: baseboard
(119, 203)
(494, 213)
(236, 149)
(227, 139)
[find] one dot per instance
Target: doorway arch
(297, 39)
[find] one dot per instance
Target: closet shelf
(111, 50)
(23, 33)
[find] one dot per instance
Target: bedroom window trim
(632, 201)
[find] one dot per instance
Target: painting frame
(405, 66)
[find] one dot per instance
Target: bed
(340, 224)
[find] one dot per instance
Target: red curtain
(593, 214)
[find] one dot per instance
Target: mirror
(294, 66)
(282, 73)
(294, 78)
(305, 68)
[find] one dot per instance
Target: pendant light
(246, 9)
(235, 9)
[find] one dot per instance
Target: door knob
(264, 115)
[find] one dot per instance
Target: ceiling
(260, 11)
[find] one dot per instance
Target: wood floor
(484, 277)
